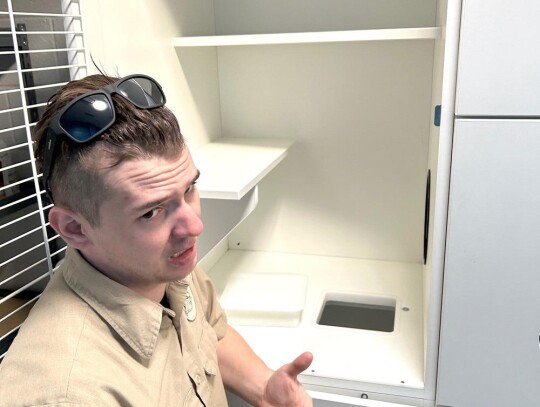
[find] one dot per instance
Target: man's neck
(154, 292)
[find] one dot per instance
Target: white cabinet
(490, 354)
(355, 85)
(499, 59)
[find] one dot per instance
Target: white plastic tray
(264, 299)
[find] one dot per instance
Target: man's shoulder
(59, 310)
(36, 369)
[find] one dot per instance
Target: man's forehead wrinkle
(154, 176)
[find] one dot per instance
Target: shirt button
(197, 379)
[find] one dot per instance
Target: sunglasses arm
(48, 155)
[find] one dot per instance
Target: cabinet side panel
(353, 185)
(440, 151)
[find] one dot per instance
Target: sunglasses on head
(90, 115)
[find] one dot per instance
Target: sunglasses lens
(87, 117)
(142, 92)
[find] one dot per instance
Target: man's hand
(246, 375)
(283, 388)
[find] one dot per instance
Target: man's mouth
(183, 252)
(183, 255)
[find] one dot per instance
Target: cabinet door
(499, 58)
(489, 353)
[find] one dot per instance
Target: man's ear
(70, 226)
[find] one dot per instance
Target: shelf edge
(423, 33)
(242, 189)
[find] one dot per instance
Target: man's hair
(77, 179)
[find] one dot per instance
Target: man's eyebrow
(148, 205)
(196, 177)
(152, 204)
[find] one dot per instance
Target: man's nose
(188, 222)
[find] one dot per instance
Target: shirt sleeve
(215, 315)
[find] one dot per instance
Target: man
(128, 319)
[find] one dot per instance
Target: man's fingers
(299, 364)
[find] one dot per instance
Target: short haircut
(77, 181)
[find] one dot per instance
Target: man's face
(149, 223)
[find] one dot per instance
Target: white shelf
(342, 354)
(423, 33)
(230, 167)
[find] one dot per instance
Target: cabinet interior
(346, 207)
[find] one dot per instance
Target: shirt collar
(134, 317)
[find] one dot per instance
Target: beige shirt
(90, 341)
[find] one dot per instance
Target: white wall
(353, 184)
(263, 16)
(135, 36)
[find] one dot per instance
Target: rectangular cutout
(358, 314)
